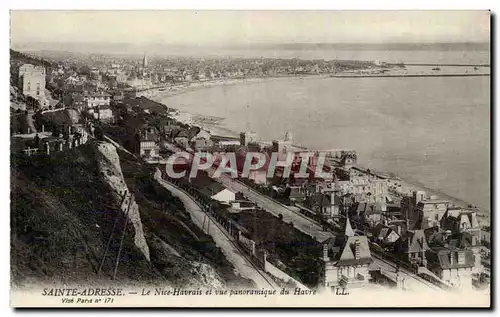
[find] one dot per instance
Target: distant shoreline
(407, 75)
(169, 91)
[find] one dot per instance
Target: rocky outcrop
(109, 166)
(186, 274)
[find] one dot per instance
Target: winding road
(243, 265)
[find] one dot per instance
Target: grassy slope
(61, 220)
(61, 217)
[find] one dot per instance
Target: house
(453, 266)
(461, 220)
(32, 81)
(392, 212)
(437, 238)
(384, 234)
(330, 199)
(208, 188)
(348, 159)
(202, 141)
(257, 175)
(408, 209)
(78, 102)
(181, 138)
(368, 214)
(430, 212)
(97, 99)
(365, 188)
(146, 142)
(330, 204)
(414, 247)
(171, 130)
(372, 215)
(102, 113)
(346, 259)
(317, 202)
(399, 226)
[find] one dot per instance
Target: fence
(79, 137)
(247, 243)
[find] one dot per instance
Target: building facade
(346, 260)
(32, 81)
(430, 212)
(97, 99)
(453, 267)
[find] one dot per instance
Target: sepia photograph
(250, 158)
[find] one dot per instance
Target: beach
(173, 90)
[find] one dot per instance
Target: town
(345, 227)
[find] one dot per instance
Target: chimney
(357, 250)
(461, 257)
(325, 252)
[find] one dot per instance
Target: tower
(145, 61)
(248, 137)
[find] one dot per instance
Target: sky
(240, 27)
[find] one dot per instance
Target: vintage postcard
(250, 158)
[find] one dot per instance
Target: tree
(99, 134)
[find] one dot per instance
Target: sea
(432, 131)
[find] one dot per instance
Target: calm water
(432, 130)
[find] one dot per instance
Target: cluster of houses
(424, 233)
(142, 73)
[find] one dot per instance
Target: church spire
(348, 229)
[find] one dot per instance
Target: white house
(453, 267)
(103, 113)
(347, 259)
(97, 99)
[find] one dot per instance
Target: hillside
(64, 206)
